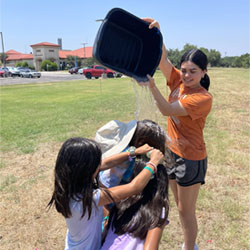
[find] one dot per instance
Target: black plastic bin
(125, 44)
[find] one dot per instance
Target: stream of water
(146, 107)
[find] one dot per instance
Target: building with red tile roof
(10, 52)
(46, 51)
(45, 44)
(15, 57)
(82, 53)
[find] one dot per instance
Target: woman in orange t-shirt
(187, 107)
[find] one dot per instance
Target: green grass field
(37, 118)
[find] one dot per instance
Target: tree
(25, 64)
(174, 56)
(214, 58)
(88, 62)
(245, 60)
(226, 61)
(70, 60)
(187, 47)
(19, 64)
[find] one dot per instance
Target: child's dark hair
(149, 132)
(200, 59)
(139, 213)
(77, 161)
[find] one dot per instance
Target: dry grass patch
(27, 225)
(26, 180)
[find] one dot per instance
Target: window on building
(51, 50)
(38, 50)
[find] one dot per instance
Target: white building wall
(42, 53)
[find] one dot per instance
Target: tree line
(214, 57)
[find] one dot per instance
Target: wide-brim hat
(115, 136)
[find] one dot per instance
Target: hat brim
(122, 140)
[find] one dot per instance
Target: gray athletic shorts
(187, 172)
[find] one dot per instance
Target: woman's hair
(200, 59)
(139, 213)
(77, 161)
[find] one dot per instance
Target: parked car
(30, 73)
(118, 75)
(13, 71)
(97, 71)
(80, 71)
(4, 72)
(74, 70)
(7, 72)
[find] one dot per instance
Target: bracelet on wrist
(106, 217)
(150, 170)
(129, 157)
(131, 153)
(153, 165)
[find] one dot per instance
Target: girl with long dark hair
(132, 220)
(77, 195)
(114, 137)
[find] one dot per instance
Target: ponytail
(205, 82)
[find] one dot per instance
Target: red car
(97, 71)
(3, 73)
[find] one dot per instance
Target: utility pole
(84, 51)
(3, 55)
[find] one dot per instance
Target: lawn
(37, 118)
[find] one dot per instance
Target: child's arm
(153, 238)
(117, 159)
(135, 186)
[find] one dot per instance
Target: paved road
(45, 77)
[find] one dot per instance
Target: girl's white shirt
(81, 232)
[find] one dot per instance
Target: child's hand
(143, 149)
(156, 156)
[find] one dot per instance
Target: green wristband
(149, 169)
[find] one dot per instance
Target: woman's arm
(135, 186)
(117, 159)
(165, 64)
(166, 108)
(153, 238)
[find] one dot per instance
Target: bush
(53, 66)
(47, 65)
(25, 65)
(31, 67)
(19, 64)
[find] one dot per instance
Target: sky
(222, 25)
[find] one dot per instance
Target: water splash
(146, 107)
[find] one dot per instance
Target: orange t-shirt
(186, 132)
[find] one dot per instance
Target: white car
(80, 71)
(14, 71)
(30, 73)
